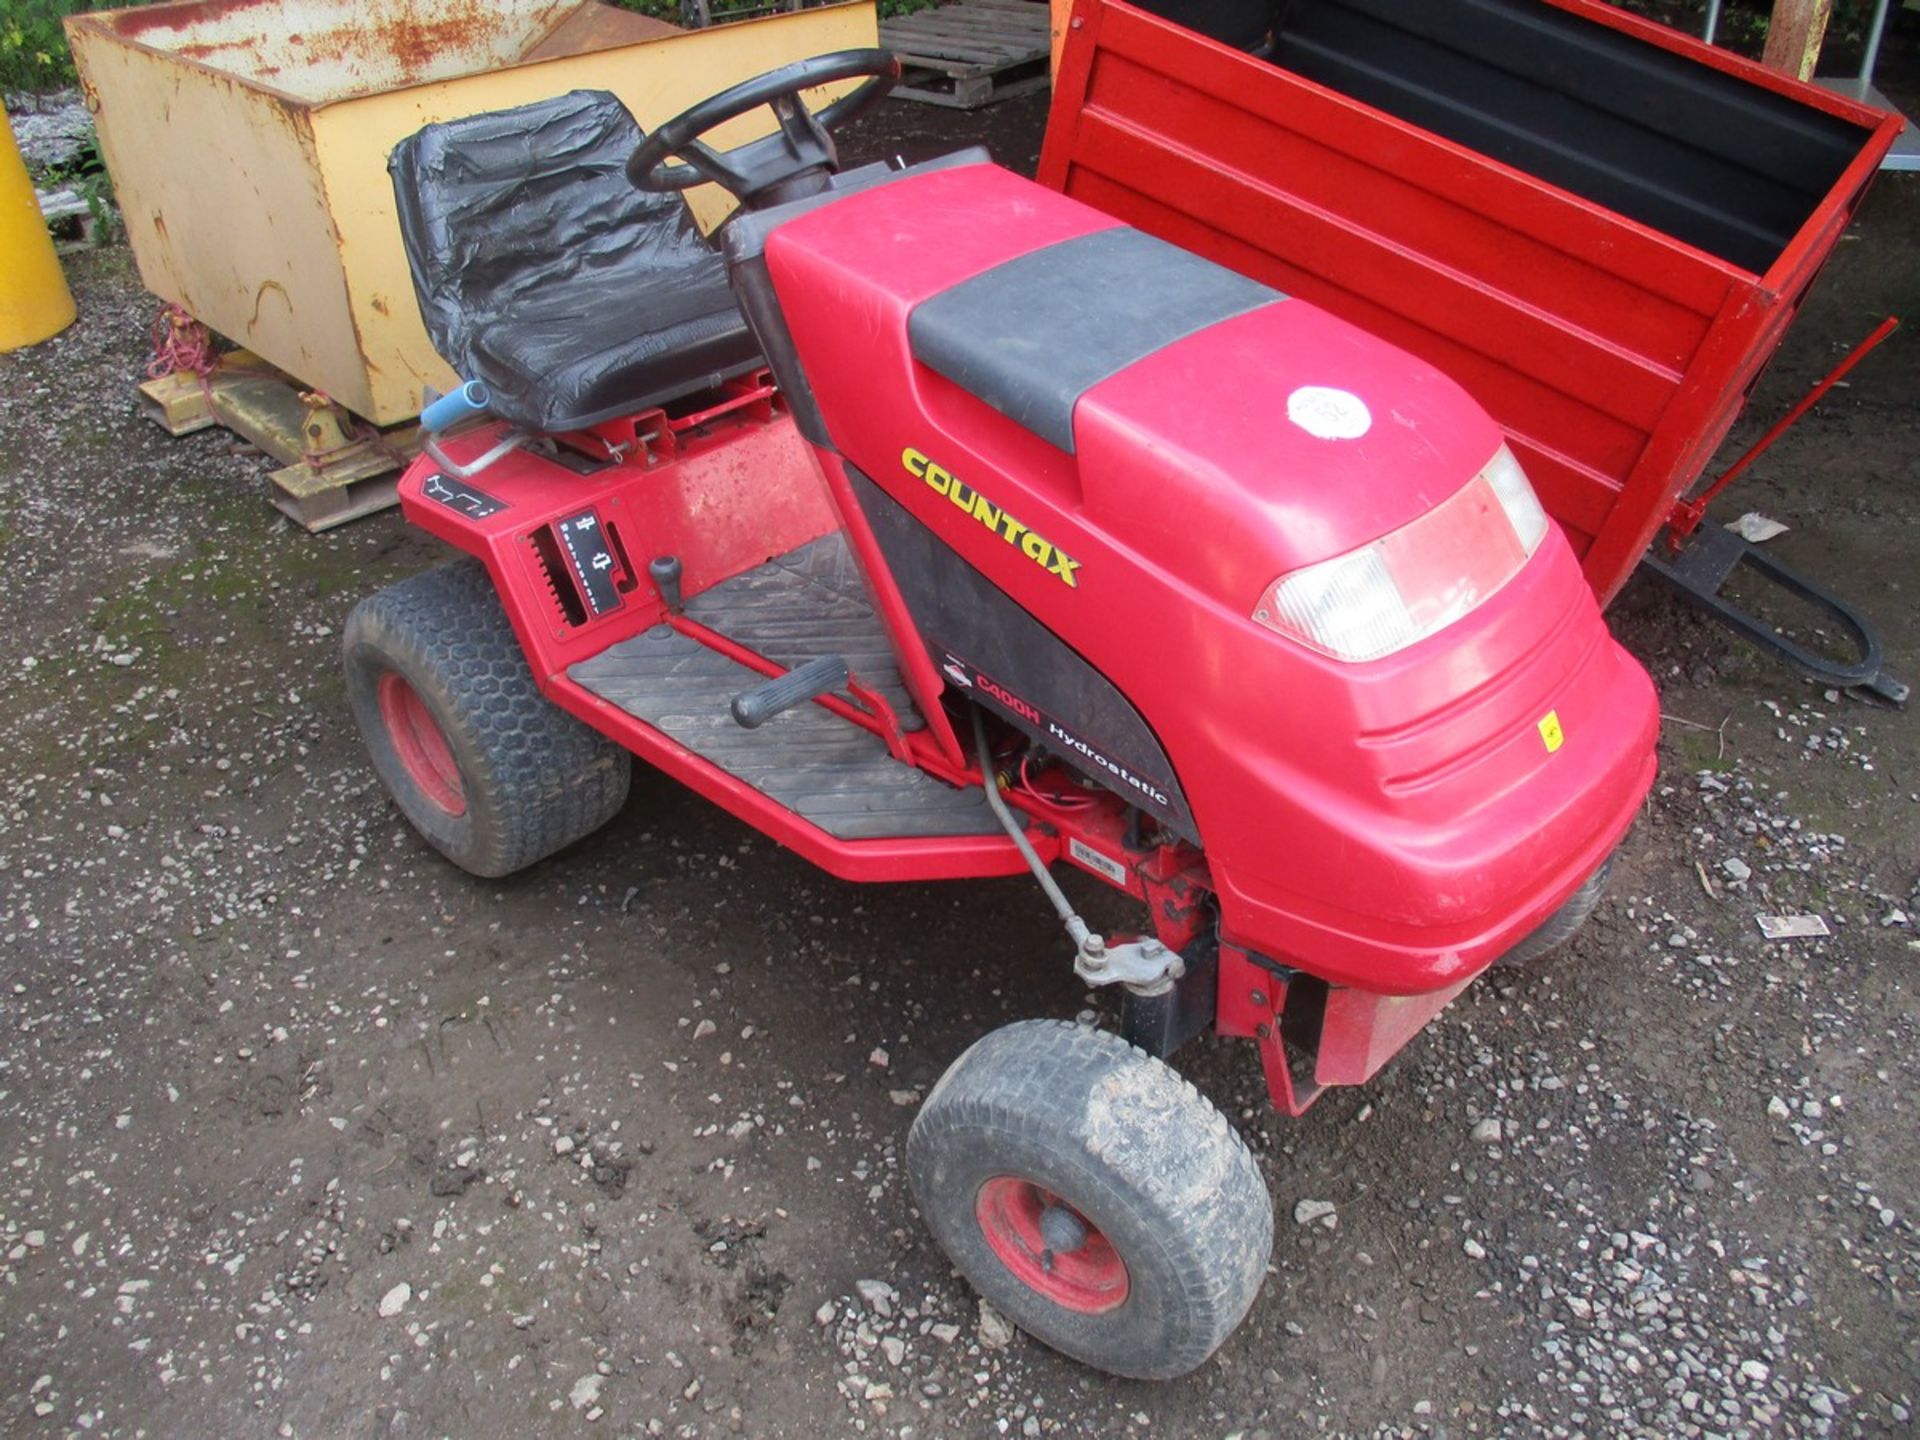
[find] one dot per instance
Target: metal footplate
(1709, 559)
(805, 605)
(807, 610)
(826, 770)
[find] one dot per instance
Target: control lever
(753, 708)
(665, 572)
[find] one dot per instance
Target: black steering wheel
(793, 161)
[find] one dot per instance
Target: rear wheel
(1561, 926)
(489, 771)
(1093, 1196)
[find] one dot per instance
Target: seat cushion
(574, 354)
(1032, 335)
(544, 274)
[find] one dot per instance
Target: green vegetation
(86, 173)
(33, 52)
(33, 47)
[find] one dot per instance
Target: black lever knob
(665, 572)
(753, 708)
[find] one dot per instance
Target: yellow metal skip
(34, 300)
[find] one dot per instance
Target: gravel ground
(50, 130)
(304, 1133)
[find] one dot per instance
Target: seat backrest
(497, 206)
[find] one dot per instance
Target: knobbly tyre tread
(1168, 1179)
(1561, 926)
(536, 779)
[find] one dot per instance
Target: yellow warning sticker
(1551, 735)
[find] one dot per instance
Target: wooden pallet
(972, 53)
(332, 469)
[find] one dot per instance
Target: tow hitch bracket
(1709, 558)
(1697, 559)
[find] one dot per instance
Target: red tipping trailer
(1599, 226)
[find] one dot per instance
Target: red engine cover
(1393, 825)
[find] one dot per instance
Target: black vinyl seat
(545, 275)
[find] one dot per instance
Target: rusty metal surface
(598, 27)
(326, 50)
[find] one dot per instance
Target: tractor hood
(1077, 373)
(1272, 440)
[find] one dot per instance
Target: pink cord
(1065, 802)
(180, 342)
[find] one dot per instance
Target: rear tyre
(489, 771)
(1561, 926)
(1093, 1197)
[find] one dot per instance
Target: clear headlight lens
(1417, 580)
(1515, 494)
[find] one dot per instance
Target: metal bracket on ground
(334, 468)
(1709, 558)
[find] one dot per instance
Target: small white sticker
(1328, 414)
(1096, 862)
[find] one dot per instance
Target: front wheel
(488, 770)
(1093, 1196)
(1559, 928)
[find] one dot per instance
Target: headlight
(1418, 580)
(1515, 494)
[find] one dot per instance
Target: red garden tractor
(940, 526)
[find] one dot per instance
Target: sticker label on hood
(1551, 735)
(1328, 414)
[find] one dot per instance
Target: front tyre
(1092, 1196)
(490, 772)
(1559, 928)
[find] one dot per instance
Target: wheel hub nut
(1061, 1230)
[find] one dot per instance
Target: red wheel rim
(421, 745)
(1089, 1280)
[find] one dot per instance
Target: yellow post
(34, 300)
